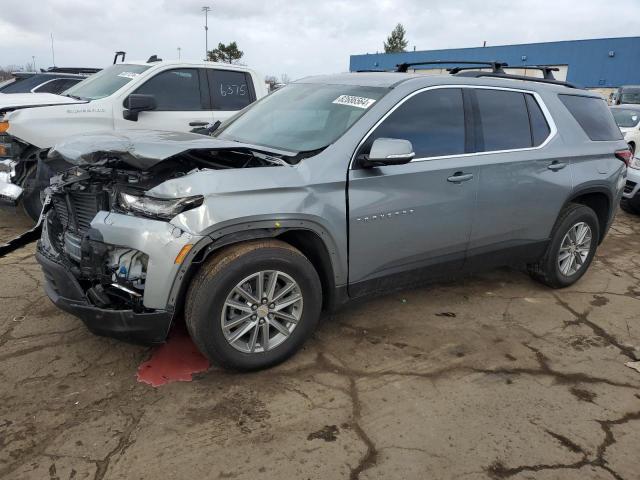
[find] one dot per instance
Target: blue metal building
(597, 63)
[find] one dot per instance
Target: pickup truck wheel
(253, 305)
(574, 240)
(31, 200)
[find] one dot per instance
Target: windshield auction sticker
(128, 74)
(351, 101)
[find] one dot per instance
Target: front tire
(574, 240)
(253, 305)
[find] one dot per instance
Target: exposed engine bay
(114, 276)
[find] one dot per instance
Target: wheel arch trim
(242, 232)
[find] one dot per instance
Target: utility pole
(53, 52)
(179, 56)
(206, 11)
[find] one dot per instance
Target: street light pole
(206, 11)
(53, 52)
(179, 56)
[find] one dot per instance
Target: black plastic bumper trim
(65, 292)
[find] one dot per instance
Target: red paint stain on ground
(175, 361)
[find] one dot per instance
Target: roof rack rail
(495, 66)
(547, 72)
(73, 70)
(517, 77)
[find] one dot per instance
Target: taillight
(624, 155)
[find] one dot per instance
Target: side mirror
(389, 151)
(136, 103)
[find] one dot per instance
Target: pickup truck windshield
(301, 117)
(106, 82)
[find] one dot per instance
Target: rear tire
(219, 295)
(555, 268)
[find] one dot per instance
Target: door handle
(198, 124)
(460, 177)
(556, 165)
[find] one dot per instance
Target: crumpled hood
(12, 101)
(142, 148)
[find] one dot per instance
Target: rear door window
(230, 90)
(502, 121)
(175, 90)
(433, 121)
(594, 117)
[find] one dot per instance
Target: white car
(628, 119)
(157, 95)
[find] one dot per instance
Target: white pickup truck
(158, 95)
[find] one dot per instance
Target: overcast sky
(296, 37)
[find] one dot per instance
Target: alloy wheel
(574, 249)
(261, 311)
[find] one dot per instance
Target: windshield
(106, 82)
(626, 118)
(301, 117)
(630, 95)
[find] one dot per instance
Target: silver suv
(329, 189)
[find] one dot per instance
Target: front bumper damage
(65, 292)
(72, 290)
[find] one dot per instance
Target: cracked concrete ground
(494, 377)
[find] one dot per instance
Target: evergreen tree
(396, 42)
(225, 53)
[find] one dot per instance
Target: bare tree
(284, 78)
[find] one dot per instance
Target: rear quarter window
(594, 117)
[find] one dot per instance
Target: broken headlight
(162, 208)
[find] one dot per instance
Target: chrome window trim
(553, 130)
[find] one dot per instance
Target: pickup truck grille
(75, 210)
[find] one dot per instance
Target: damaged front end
(108, 249)
(101, 279)
(12, 172)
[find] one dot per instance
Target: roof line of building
(502, 45)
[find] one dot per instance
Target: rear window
(630, 95)
(57, 86)
(626, 118)
(24, 85)
(594, 117)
